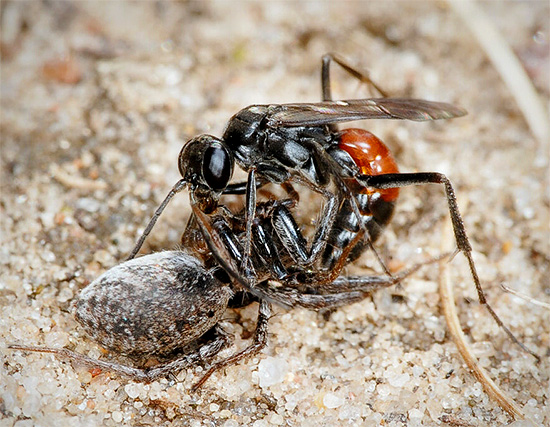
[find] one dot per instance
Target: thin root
(525, 297)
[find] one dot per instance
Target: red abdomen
(371, 155)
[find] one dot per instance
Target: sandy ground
(97, 100)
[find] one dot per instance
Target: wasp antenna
(175, 189)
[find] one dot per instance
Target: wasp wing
(328, 112)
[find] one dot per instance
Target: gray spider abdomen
(154, 304)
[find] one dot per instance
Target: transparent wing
(327, 112)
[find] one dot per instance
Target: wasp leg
(362, 76)
(201, 354)
(291, 236)
(342, 291)
(364, 283)
(258, 343)
(363, 287)
(394, 180)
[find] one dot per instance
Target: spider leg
(201, 354)
(258, 343)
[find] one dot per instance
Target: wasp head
(205, 163)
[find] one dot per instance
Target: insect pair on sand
(171, 303)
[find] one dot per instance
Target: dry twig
(449, 310)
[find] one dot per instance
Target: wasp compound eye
(217, 167)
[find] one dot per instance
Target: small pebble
(331, 400)
(271, 370)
